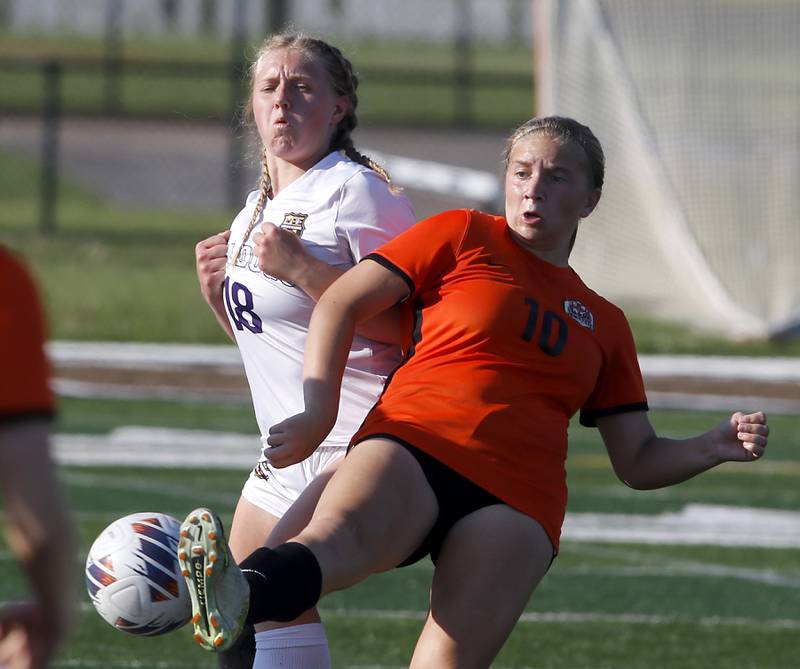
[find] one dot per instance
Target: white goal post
(697, 106)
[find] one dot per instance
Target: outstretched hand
(742, 437)
(294, 439)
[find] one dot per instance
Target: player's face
(548, 191)
(295, 106)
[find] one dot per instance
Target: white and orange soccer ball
(133, 578)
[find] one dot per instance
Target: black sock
(242, 653)
(284, 582)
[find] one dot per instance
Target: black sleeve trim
(377, 435)
(388, 264)
(7, 419)
(589, 418)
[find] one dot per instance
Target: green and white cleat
(219, 592)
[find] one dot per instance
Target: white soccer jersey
(341, 211)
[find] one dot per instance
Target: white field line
(133, 664)
(104, 516)
(136, 664)
(450, 180)
(765, 466)
(724, 368)
(122, 355)
(764, 577)
(655, 399)
(133, 392)
(159, 447)
(726, 403)
(659, 567)
(166, 447)
(187, 492)
(224, 356)
(225, 359)
(93, 517)
(567, 617)
(696, 524)
(119, 664)
(570, 618)
(640, 563)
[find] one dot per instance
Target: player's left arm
(644, 460)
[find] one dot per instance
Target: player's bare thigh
(254, 527)
(299, 514)
(250, 528)
(488, 567)
(372, 515)
(292, 522)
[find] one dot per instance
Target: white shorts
(274, 490)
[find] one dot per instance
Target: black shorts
(456, 495)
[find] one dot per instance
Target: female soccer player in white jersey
(321, 206)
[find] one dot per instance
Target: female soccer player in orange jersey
(38, 521)
(462, 457)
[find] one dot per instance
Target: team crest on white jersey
(295, 223)
(580, 313)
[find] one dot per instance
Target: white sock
(295, 647)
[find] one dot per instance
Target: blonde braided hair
(344, 80)
(264, 190)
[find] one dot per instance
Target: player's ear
(340, 109)
(591, 202)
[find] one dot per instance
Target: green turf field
(602, 605)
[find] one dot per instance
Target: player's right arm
(405, 266)
(210, 258)
(358, 295)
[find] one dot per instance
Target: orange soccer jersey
(506, 348)
(24, 375)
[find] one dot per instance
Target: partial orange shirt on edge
(24, 369)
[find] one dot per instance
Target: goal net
(697, 106)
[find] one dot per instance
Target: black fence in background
(462, 78)
(462, 81)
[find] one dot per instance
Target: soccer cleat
(218, 590)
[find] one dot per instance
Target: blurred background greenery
(114, 271)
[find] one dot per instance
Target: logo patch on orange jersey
(580, 313)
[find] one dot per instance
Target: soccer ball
(133, 578)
